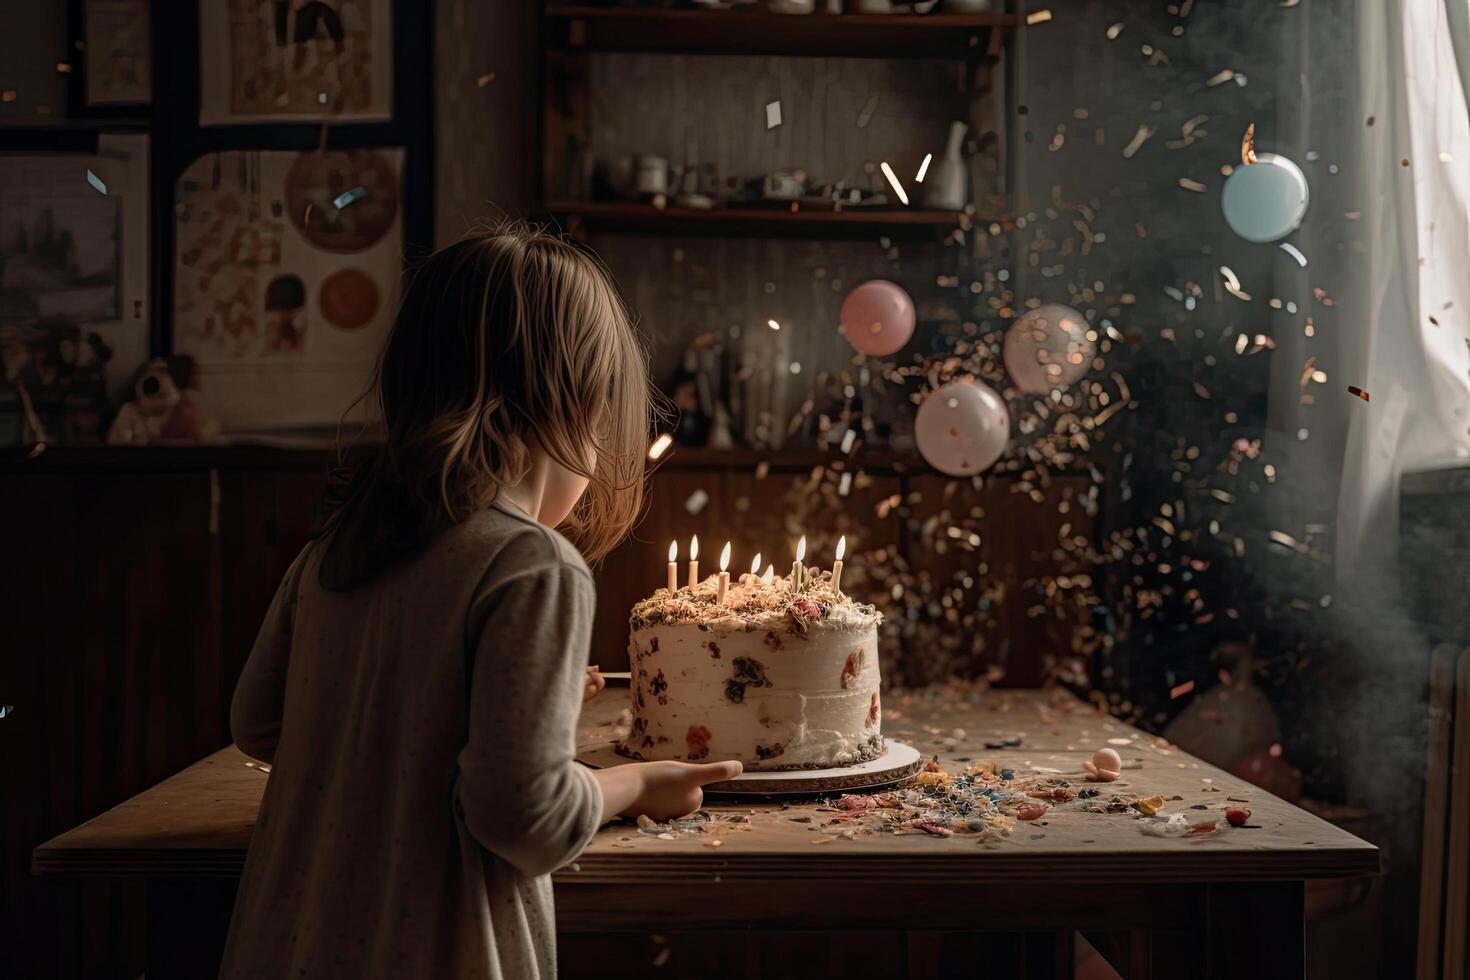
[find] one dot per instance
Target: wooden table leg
(188, 920)
(1254, 930)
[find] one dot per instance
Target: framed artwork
(73, 288)
(286, 279)
(119, 63)
(295, 60)
(33, 90)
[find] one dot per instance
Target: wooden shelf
(627, 216)
(760, 32)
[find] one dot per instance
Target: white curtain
(1410, 345)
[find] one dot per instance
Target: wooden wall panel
(110, 628)
(131, 608)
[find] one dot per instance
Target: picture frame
(295, 61)
(119, 62)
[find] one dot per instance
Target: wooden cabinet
(134, 585)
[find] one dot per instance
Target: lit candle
(755, 572)
(673, 567)
(724, 575)
(837, 565)
(770, 575)
(796, 565)
(693, 560)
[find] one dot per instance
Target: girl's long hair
(508, 338)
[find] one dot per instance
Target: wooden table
(1228, 904)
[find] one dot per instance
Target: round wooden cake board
(899, 763)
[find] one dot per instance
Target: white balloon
(1048, 347)
(962, 428)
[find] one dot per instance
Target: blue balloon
(1265, 201)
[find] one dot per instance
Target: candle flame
(801, 549)
(755, 564)
(841, 547)
(694, 548)
(769, 575)
(673, 551)
(725, 557)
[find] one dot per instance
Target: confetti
(1150, 805)
(1192, 185)
(893, 182)
(97, 183)
(1220, 78)
(773, 114)
(660, 446)
(1179, 690)
(923, 168)
(1139, 138)
(348, 196)
(1114, 30)
(1355, 390)
(485, 79)
(1295, 253)
(869, 107)
(696, 501)
(9, 95)
(1038, 17)
(1286, 541)
(63, 67)
(1232, 286)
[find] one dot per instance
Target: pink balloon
(962, 428)
(1048, 348)
(878, 318)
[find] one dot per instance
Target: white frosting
(774, 698)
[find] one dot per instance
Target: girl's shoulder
(512, 540)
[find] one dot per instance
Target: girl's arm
(260, 696)
(521, 794)
(661, 790)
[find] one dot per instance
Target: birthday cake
(776, 678)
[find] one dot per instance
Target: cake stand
(896, 765)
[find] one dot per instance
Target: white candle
(752, 578)
(673, 567)
(724, 575)
(796, 565)
(837, 565)
(693, 560)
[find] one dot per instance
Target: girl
(417, 680)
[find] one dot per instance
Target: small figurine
(1104, 766)
(166, 408)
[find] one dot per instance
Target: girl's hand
(594, 683)
(673, 789)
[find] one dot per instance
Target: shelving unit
(572, 32)
(630, 216)
(760, 32)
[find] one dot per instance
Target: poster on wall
(73, 290)
(286, 275)
(295, 60)
(119, 66)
